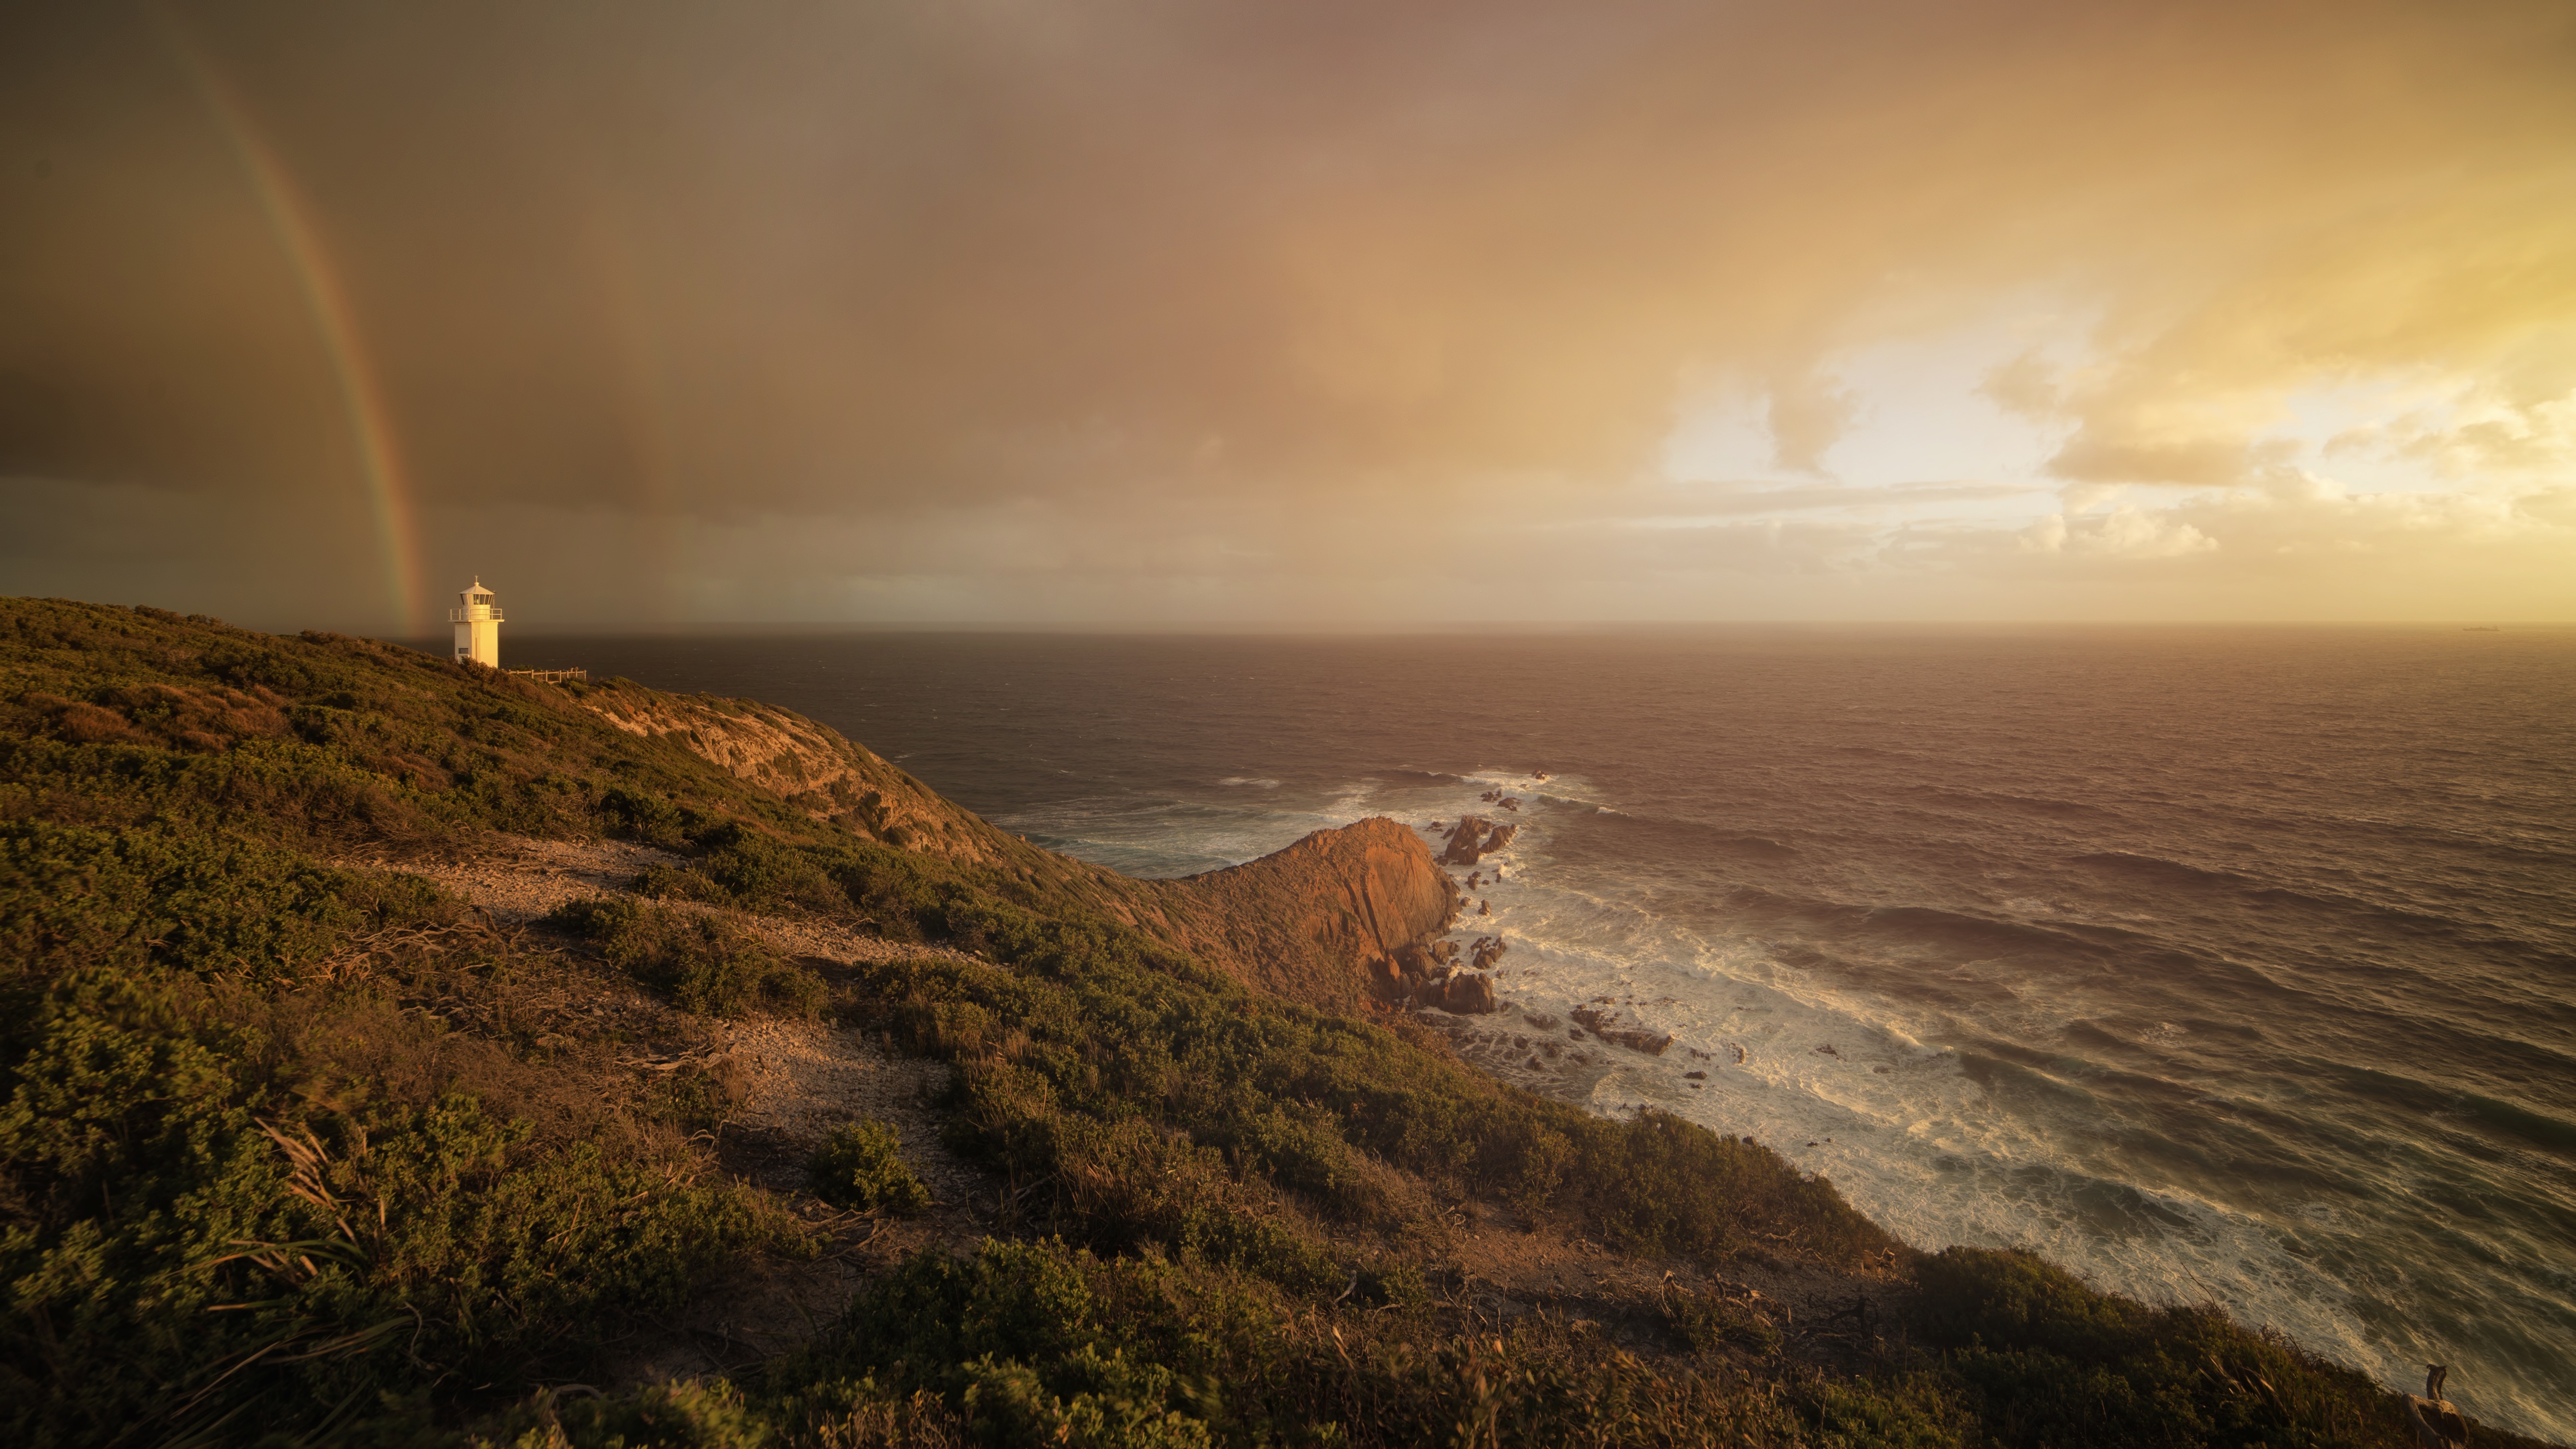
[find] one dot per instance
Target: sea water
(2220, 965)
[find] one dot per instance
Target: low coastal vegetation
(860, 1166)
(297, 1148)
(700, 961)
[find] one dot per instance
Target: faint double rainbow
(361, 396)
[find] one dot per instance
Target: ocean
(2218, 964)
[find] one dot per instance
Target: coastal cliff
(1312, 922)
(390, 1044)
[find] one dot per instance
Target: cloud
(2295, 542)
(2027, 384)
(1808, 416)
(1242, 301)
(1719, 501)
(2123, 533)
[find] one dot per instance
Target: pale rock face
(812, 767)
(1310, 921)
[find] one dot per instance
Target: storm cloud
(1336, 313)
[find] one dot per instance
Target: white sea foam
(1847, 1087)
(1351, 803)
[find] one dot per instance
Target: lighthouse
(478, 626)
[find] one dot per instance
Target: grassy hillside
(295, 1148)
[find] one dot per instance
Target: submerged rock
(1474, 838)
(1605, 1025)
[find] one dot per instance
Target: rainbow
(361, 396)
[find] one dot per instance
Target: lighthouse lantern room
(478, 625)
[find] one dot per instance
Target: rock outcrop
(1606, 1025)
(2433, 1420)
(1468, 993)
(1427, 974)
(812, 766)
(1474, 838)
(1325, 919)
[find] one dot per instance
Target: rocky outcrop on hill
(812, 766)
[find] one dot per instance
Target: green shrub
(646, 818)
(2045, 1360)
(186, 1243)
(759, 872)
(1153, 1098)
(1035, 1344)
(679, 883)
(74, 896)
(676, 1415)
(1708, 1321)
(860, 1166)
(699, 961)
(1397, 1285)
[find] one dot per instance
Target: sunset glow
(1330, 316)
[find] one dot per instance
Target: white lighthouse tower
(478, 625)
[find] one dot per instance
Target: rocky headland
(399, 1052)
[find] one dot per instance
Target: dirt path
(789, 1084)
(518, 880)
(792, 1082)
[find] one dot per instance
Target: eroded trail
(785, 1084)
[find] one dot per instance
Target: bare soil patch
(790, 1083)
(517, 879)
(787, 1083)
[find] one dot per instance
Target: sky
(1331, 315)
